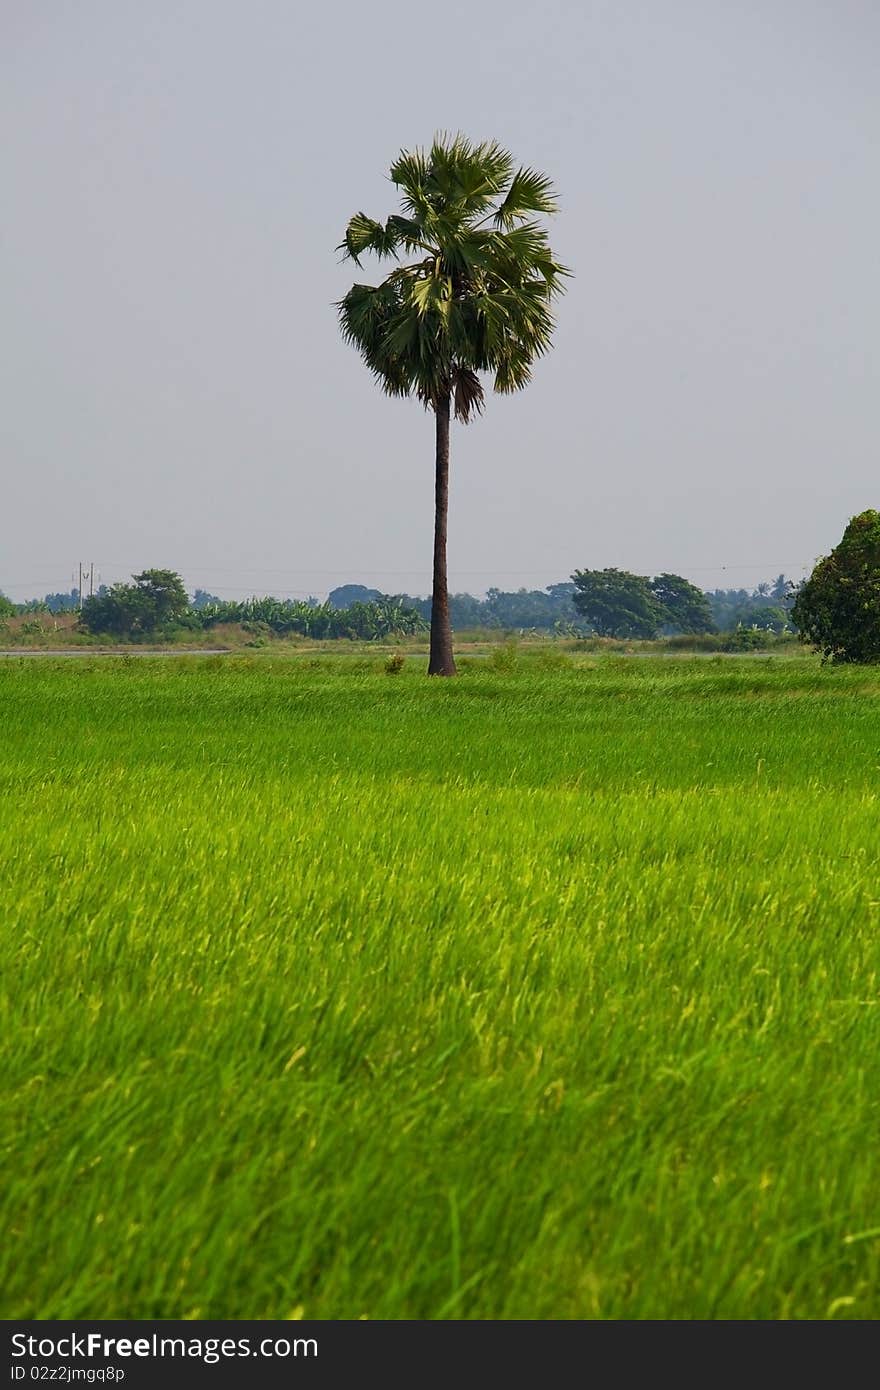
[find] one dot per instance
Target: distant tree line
(156, 603)
(619, 604)
(383, 617)
(610, 602)
(522, 609)
(64, 602)
(837, 609)
(769, 605)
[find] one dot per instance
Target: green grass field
(548, 992)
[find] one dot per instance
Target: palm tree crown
(474, 292)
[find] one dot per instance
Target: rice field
(548, 992)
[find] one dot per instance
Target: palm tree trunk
(442, 662)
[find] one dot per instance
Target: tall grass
(540, 993)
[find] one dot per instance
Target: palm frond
(464, 176)
(409, 173)
(364, 234)
(553, 273)
(365, 310)
(367, 315)
(401, 333)
(409, 233)
(467, 393)
(529, 192)
(512, 374)
(432, 293)
(409, 170)
(494, 319)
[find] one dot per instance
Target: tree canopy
(616, 603)
(347, 594)
(685, 607)
(838, 608)
(474, 280)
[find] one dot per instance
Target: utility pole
(89, 572)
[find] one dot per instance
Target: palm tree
(471, 292)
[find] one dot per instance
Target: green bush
(838, 608)
(366, 622)
(695, 642)
(504, 657)
(746, 639)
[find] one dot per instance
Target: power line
(32, 585)
(499, 569)
(458, 575)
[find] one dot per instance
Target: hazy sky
(177, 173)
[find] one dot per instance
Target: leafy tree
(155, 601)
(475, 298)
(770, 618)
(616, 603)
(120, 612)
(527, 608)
(685, 607)
(62, 602)
(727, 605)
(562, 592)
(7, 607)
(781, 589)
(838, 608)
(348, 594)
(201, 599)
(163, 590)
(544, 609)
(464, 611)
(732, 608)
